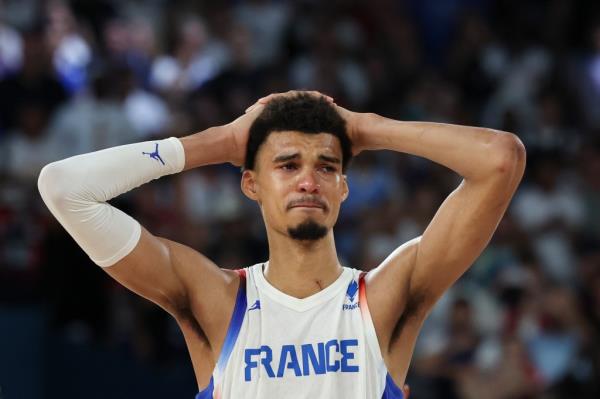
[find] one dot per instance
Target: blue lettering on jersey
(347, 355)
(324, 357)
(332, 367)
(310, 357)
(248, 354)
(265, 361)
(288, 350)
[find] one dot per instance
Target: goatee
(309, 230)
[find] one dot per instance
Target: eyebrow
(327, 158)
(286, 157)
(296, 155)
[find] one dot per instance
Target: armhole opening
(370, 332)
(235, 325)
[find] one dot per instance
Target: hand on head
(352, 118)
(265, 100)
(241, 126)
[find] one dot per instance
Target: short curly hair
(303, 113)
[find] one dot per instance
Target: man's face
(298, 183)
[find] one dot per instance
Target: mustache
(308, 200)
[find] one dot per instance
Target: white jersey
(279, 346)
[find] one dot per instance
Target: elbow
(508, 155)
(52, 183)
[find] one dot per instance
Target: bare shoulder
(210, 300)
(388, 288)
(182, 281)
(211, 290)
(396, 311)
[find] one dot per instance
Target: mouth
(308, 208)
(307, 205)
(315, 206)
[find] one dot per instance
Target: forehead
(286, 141)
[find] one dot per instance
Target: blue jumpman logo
(255, 306)
(154, 155)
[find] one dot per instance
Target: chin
(308, 230)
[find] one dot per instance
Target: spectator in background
(28, 146)
(589, 171)
(265, 22)
(34, 82)
(131, 42)
(553, 130)
(554, 347)
(237, 84)
(585, 77)
(550, 209)
(329, 62)
(394, 53)
(455, 354)
(465, 61)
(71, 54)
(196, 58)
(11, 47)
(147, 112)
(98, 119)
(519, 69)
(590, 303)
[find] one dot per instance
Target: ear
(345, 188)
(248, 184)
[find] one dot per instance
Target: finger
(319, 94)
(252, 107)
(256, 107)
(266, 99)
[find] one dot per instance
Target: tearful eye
(289, 166)
(329, 169)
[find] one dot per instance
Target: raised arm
(176, 277)
(409, 282)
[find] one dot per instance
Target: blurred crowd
(524, 321)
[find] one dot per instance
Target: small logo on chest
(255, 306)
(350, 303)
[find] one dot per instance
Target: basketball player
(299, 325)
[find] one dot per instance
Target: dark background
(83, 75)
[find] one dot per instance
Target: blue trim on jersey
(392, 391)
(207, 393)
(235, 325)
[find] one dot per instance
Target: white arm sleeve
(76, 190)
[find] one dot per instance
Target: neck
(301, 268)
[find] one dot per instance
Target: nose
(308, 183)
